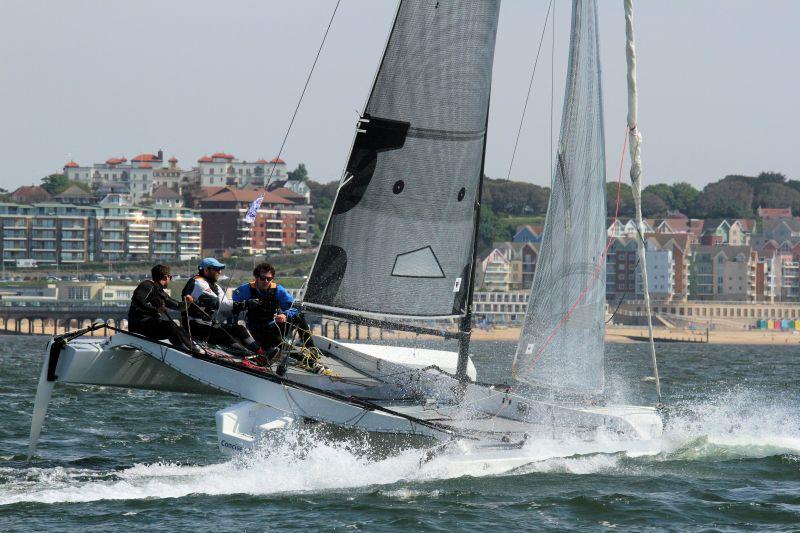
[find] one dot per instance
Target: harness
(269, 307)
(202, 309)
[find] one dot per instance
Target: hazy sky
(100, 78)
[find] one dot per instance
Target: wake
(737, 425)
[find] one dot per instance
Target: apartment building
(621, 267)
(223, 170)
(790, 277)
(500, 307)
(138, 177)
(175, 230)
(509, 266)
(660, 273)
(113, 230)
(281, 223)
(48, 233)
(680, 247)
(722, 273)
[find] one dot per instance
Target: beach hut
(784, 324)
(762, 324)
(797, 324)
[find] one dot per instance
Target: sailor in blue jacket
(269, 309)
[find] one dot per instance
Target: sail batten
(399, 241)
(561, 344)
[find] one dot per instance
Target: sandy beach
(633, 334)
(614, 334)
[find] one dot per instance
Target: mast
(465, 326)
(636, 175)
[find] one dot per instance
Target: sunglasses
(215, 269)
(169, 277)
(266, 278)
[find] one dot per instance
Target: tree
(731, 197)
(653, 205)
(663, 191)
(55, 183)
(626, 207)
(515, 198)
(493, 228)
(774, 194)
(322, 190)
(770, 177)
(299, 174)
(684, 196)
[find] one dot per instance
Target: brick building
(281, 222)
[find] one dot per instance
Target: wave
(739, 424)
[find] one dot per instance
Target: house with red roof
(774, 212)
(222, 169)
(137, 177)
(28, 194)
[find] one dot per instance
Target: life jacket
(269, 307)
(204, 305)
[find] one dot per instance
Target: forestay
(399, 242)
(561, 344)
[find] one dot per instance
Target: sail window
(462, 193)
(420, 263)
(398, 186)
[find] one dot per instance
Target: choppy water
(110, 458)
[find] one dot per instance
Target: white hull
(428, 407)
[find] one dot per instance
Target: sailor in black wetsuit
(147, 314)
(208, 307)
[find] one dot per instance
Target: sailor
(270, 314)
(148, 316)
(207, 307)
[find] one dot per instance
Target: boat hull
(274, 403)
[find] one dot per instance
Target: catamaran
(399, 252)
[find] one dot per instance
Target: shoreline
(623, 335)
(614, 335)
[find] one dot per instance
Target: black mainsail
(400, 239)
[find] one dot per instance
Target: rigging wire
(530, 87)
(552, 81)
(303, 92)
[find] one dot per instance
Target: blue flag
(250, 217)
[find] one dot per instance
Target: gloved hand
(238, 307)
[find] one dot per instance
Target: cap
(210, 262)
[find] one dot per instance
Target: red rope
(597, 268)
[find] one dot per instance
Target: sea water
(116, 458)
